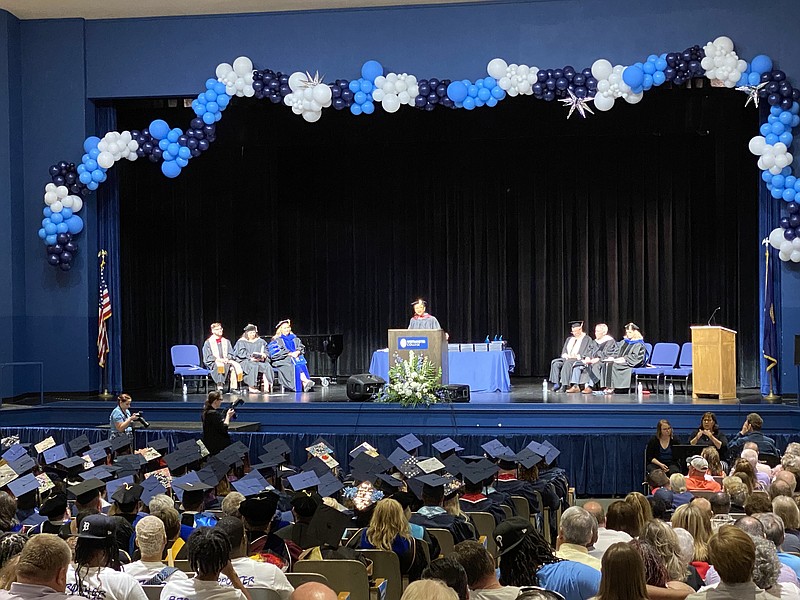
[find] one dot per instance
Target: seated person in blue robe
(286, 353)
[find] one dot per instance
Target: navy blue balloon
(794, 220)
(792, 207)
(786, 103)
(549, 95)
(569, 72)
(203, 145)
(541, 76)
(562, 83)
(54, 170)
(65, 266)
(433, 82)
(441, 90)
(579, 79)
(53, 259)
(784, 222)
(774, 99)
(196, 152)
(581, 92)
(338, 103)
(336, 92)
(789, 234)
(537, 88)
(591, 83)
(424, 89)
(59, 180)
(420, 101)
(550, 84)
(182, 140)
(63, 238)
(587, 72)
(558, 73)
(778, 75)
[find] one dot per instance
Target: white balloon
(524, 87)
(50, 187)
(62, 191)
(796, 243)
(105, 159)
(504, 83)
(391, 103)
(50, 197)
(379, 81)
(77, 204)
(243, 66)
(776, 170)
(603, 85)
(405, 98)
(322, 94)
(296, 79)
(223, 69)
(776, 238)
(601, 69)
(786, 246)
(497, 68)
(724, 43)
(784, 257)
(603, 103)
(249, 92)
(378, 95)
(756, 145)
(67, 203)
(56, 206)
(795, 256)
(634, 98)
(312, 116)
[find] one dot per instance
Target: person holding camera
(121, 419)
(215, 427)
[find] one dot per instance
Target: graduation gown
(517, 487)
(481, 503)
(428, 516)
(289, 367)
(590, 374)
(618, 375)
(424, 321)
(226, 351)
(246, 352)
(561, 368)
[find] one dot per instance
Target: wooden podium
(713, 362)
(426, 342)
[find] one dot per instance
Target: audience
(576, 533)
(642, 507)
(623, 574)
(313, 591)
(787, 510)
(41, 570)
(151, 538)
(698, 478)
(429, 589)
(449, 571)
(733, 554)
(612, 527)
(693, 520)
(680, 495)
(757, 503)
(774, 532)
(481, 574)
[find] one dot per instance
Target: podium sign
(713, 362)
(431, 343)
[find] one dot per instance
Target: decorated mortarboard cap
(478, 472)
(552, 452)
(327, 526)
(79, 444)
(528, 458)
(151, 487)
(329, 484)
(55, 454)
(14, 452)
(575, 323)
(23, 464)
(128, 493)
(303, 481)
(7, 474)
(260, 508)
(278, 446)
(363, 447)
(404, 462)
(447, 445)
(430, 465)
(86, 491)
(115, 484)
(317, 465)
(102, 472)
(409, 442)
(55, 506)
(121, 441)
(23, 485)
(453, 486)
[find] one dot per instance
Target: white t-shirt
(259, 574)
(145, 571)
(508, 592)
(195, 589)
(605, 538)
(104, 583)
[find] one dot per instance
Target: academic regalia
(289, 367)
(269, 548)
(481, 503)
(618, 375)
(224, 349)
(501, 498)
(510, 485)
(244, 351)
(590, 374)
(561, 368)
(437, 517)
(424, 321)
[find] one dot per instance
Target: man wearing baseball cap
(697, 479)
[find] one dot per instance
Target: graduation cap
(404, 462)
(16, 451)
(409, 442)
(447, 445)
(319, 448)
(6, 474)
(269, 460)
(277, 446)
(23, 485)
(429, 465)
(102, 472)
(45, 483)
(552, 452)
(327, 526)
(495, 448)
(528, 458)
(73, 464)
(363, 447)
(190, 491)
(115, 484)
(96, 454)
(79, 444)
(252, 485)
(214, 471)
(362, 476)
(453, 486)
(23, 464)
(479, 472)
(55, 454)
(260, 508)
(575, 323)
(365, 463)
(538, 448)
(86, 491)
(329, 484)
(432, 480)
(454, 464)
(128, 493)
(152, 486)
(121, 441)
(182, 457)
(317, 465)
(45, 444)
(390, 480)
(416, 486)
(190, 476)
(160, 444)
(129, 464)
(303, 481)
(55, 506)
(104, 444)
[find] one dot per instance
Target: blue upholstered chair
(187, 365)
(684, 370)
(663, 357)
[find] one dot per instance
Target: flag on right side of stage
(103, 314)
(770, 342)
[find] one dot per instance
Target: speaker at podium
(431, 343)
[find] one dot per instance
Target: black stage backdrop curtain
(510, 220)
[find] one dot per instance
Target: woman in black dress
(659, 449)
(215, 427)
(708, 434)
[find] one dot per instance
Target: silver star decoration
(312, 81)
(752, 92)
(575, 103)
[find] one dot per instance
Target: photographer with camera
(215, 427)
(121, 419)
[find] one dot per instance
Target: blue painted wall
(52, 67)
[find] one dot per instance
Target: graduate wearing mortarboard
(575, 347)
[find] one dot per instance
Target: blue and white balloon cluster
(174, 155)
(90, 172)
(363, 87)
(470, 95)
(209, 104)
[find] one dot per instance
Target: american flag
(103, 315)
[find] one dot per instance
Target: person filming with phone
(215, 426)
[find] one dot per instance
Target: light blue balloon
(359, 97)
(56, 218)
(91, 165)
(74, 224)
(181, 162)
(219, 87)
(50, 239)
(97, 175)
(661, 64)
(742, 79)
(649, 68)
(47, 211)
(479, 102)
(62, 228)
(765, 128)
(761, 64)
(42, 233)
(94, 153)
(766, 176)
(491, 102)
(185, 153)
(472, 91)
(159, 129)
(790, 181)
(797, 186)
(469, 103)
(50, 228)
(633, 76)
(201, 99)
(786, 171)
(795, 120)
(489, 82)
(223, 100)
(771, 119)
(170, 168)
(648, 82)
(92, 185)
(771, 139)
(778, 181)
(355, 108)
(457, 91)
(355, 86)
(659, 78)
(788, 194)
(212, 107)
(371, 69)
(198, 108)
(82, 167)
(210, 83)
(775, 110)
(367, 87)
(753, 79)
(778, 128)
(795, 108)
(168, 155)
(484, 94)
(368, 107)
(173, 149)
(210, 96)
(217, 116)
(785, 117)
(776, 193)
(174, 134)
(163, 144)
(498, 93)
(91, 142)
(208, 118)
(786, 138)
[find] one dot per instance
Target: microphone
(711, 318)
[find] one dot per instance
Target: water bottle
(544, 387)
(185, 389)
(671, 390)
(639, 390)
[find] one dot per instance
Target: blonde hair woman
(644, 512)
(665, 541)
(429, 589)
(388, 530)
(696, 522)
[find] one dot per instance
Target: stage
(602, 438)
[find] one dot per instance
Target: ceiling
(118, 9)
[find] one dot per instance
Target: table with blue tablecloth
(481, 371)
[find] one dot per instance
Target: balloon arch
(598, 87)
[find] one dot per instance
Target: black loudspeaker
(364, 386)
(797, 350)
(456, 392)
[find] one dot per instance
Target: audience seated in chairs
(481, 575)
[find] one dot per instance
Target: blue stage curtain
(108, 239)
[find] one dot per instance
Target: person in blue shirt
(121, 419)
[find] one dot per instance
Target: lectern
(425, 342)
(713, 362)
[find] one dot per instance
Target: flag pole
(103, 375)
(772, 397)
